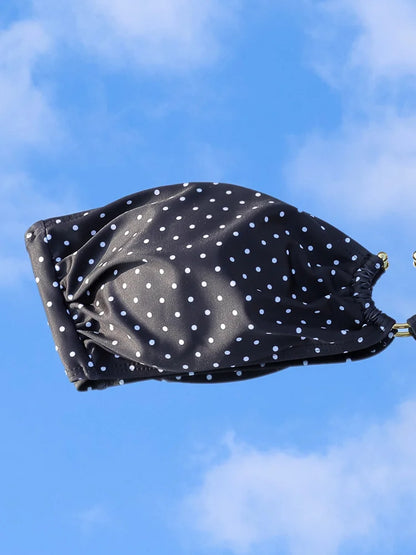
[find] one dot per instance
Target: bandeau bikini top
(203, 282)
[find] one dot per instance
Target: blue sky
(312, 102)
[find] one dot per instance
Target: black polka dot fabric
(202, 282)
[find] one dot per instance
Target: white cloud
(26, 116)
(28, 123)
(375, 37)
(367, 165)
(365, 168)
(167, 34)
(359, 492)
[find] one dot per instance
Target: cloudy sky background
(312, 102)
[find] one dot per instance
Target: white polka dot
(190, 299)
(62, 329)
(156, 192)
(75, 227)
(72, 354)
(209, 377)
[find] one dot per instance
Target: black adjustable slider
(411, 322)
(411, 326)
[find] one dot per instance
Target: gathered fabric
(202, 282)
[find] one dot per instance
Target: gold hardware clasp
(403, 330)
(385, 259)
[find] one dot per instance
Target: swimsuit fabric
(202, 282)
